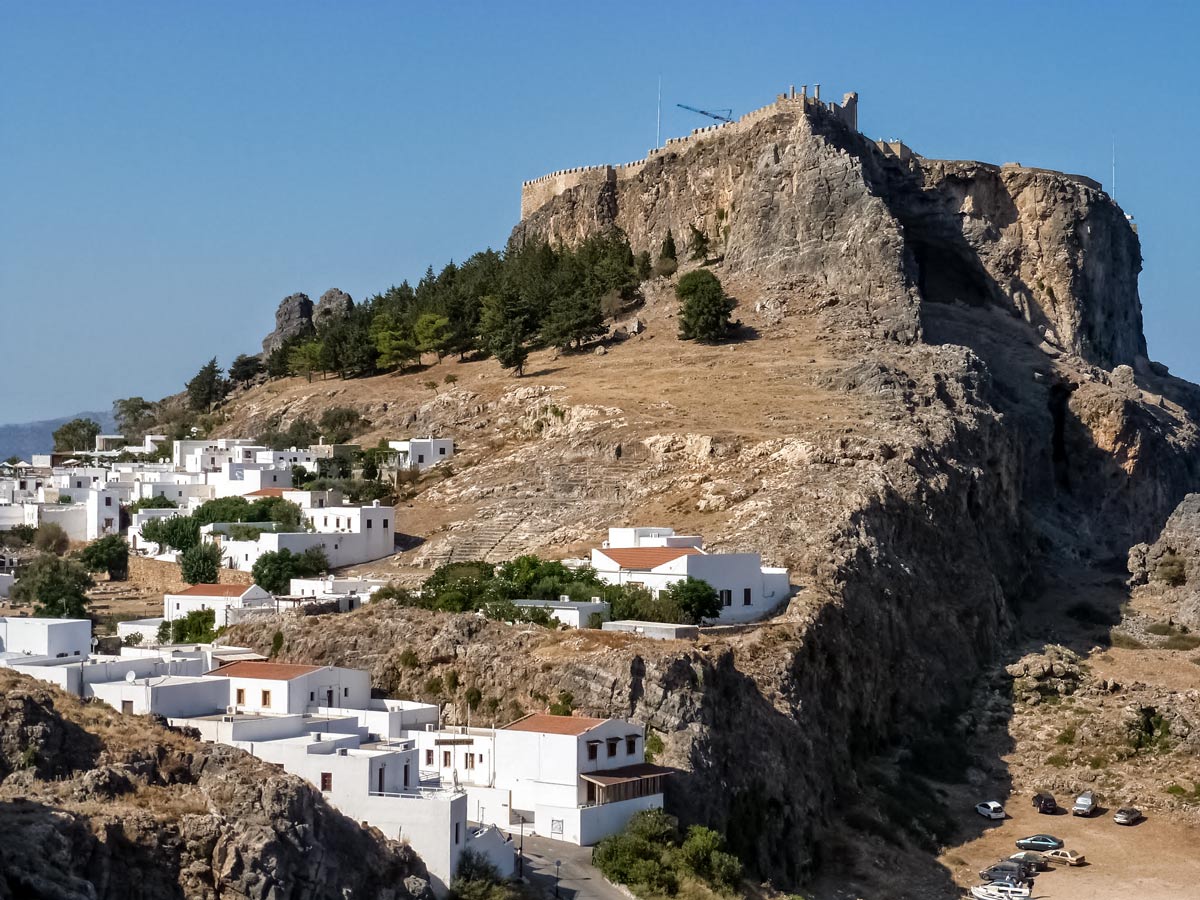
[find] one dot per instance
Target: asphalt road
(578, 879)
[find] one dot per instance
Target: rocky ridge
(96, 805)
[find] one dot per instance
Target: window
(469, 761)
(241, 696)
(266, 698)
(631, 744)
(726, 598)
(385, 524)
(326, 781)
(746, 599)
(108, 501)
(345, 692)
(429, 757)
(591, 792)
(591, 749)
(370, 524)
(612, 746)
(312, 696)
(457, 830)
(420, 457)
(445, 759)
(441, 451)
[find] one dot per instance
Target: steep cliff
(95, 805)
(939, 402)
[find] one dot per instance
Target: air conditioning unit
(317, 736)
(231, 709)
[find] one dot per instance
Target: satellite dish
(130, 677)
(95, 641)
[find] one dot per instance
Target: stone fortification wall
(537, 193)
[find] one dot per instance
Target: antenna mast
(658, 121)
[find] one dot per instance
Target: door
(329, 697)
(380, 788)
(127, 707)
(406, 774)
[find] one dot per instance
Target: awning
(625, 774)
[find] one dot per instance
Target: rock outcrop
(293, 318)
(99, 806)
(334, 304)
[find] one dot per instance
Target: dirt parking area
(1157, 859)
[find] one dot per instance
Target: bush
(51, 538)
(1161, 628)
(1124, 641)
(651, 857)
(703, 307)
(473, 696)
(409, 659)
(1171, 570)
(194, 628)
(274, 570)
(156, 502)
(276, 643)
(565, 705)
(1182, 642)
(654, 746)
(133, 640)
(54, 586)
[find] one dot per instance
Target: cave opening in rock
(944, 276)
(1060, 394)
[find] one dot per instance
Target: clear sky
(170, 171)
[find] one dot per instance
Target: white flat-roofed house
(281, 689)
(332, 588)
(43, 637)
(572, 613)
(248, 479)
(348, 535)
(748, 590)
(421, 453)
(294, 456)
(218, 597)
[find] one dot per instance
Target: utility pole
(658, 121)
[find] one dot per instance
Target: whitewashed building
(657, 558)
(220, 598)
(421, 453)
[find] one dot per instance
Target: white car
(990, 810)
(1000, 890)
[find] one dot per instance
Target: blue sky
(169, 171)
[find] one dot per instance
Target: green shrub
(1058, 760)
(408, 659)
(654, 745)
(1182, 642)
(434, 686)
(1171, 570)
(565, 705)
(1161, 629)
(472, 696)
(1124, 641)
(1066, 736)
(452, 681)
(276, 643)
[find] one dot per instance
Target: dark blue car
(1042, 842)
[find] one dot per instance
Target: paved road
(578, 879)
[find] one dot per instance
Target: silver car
(1085, 804)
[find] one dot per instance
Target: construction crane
(712, 115)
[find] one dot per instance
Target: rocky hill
(939, 415)
(97, 805)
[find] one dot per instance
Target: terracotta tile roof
(267, 492)
(213, 590)
(268, 670)
(625, 774)
(547, 724)
(646, 557)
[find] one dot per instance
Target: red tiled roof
(213, 590)
(267, 670)
(266, 492)
(547, 724)
(647, 557)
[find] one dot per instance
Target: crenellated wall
(539, 191)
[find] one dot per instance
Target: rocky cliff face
(293, 317)
(798, 194)
(95, 805)
(940, 398)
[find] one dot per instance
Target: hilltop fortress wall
(537, 193)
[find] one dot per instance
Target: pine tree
(207, 388)
(504, 332)
(703, 309)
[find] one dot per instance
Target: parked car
(1127, 815)
(1066, 857)
(1085, 804)
(990, 810)
(1045, 803)
(1041, 842)
(1009, 870)
(1000, 890)
(1037, 860)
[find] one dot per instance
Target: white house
(266, 687)
(218, 597)
(572, 613)
(574, 779)
(7, 579)
(421, 453)
(44, 637)
(748, 590)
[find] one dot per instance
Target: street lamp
(557, 863)
(521, 851)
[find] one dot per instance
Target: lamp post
(557, 863)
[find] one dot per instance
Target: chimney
(816, 91)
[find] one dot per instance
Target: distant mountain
(27, 438)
